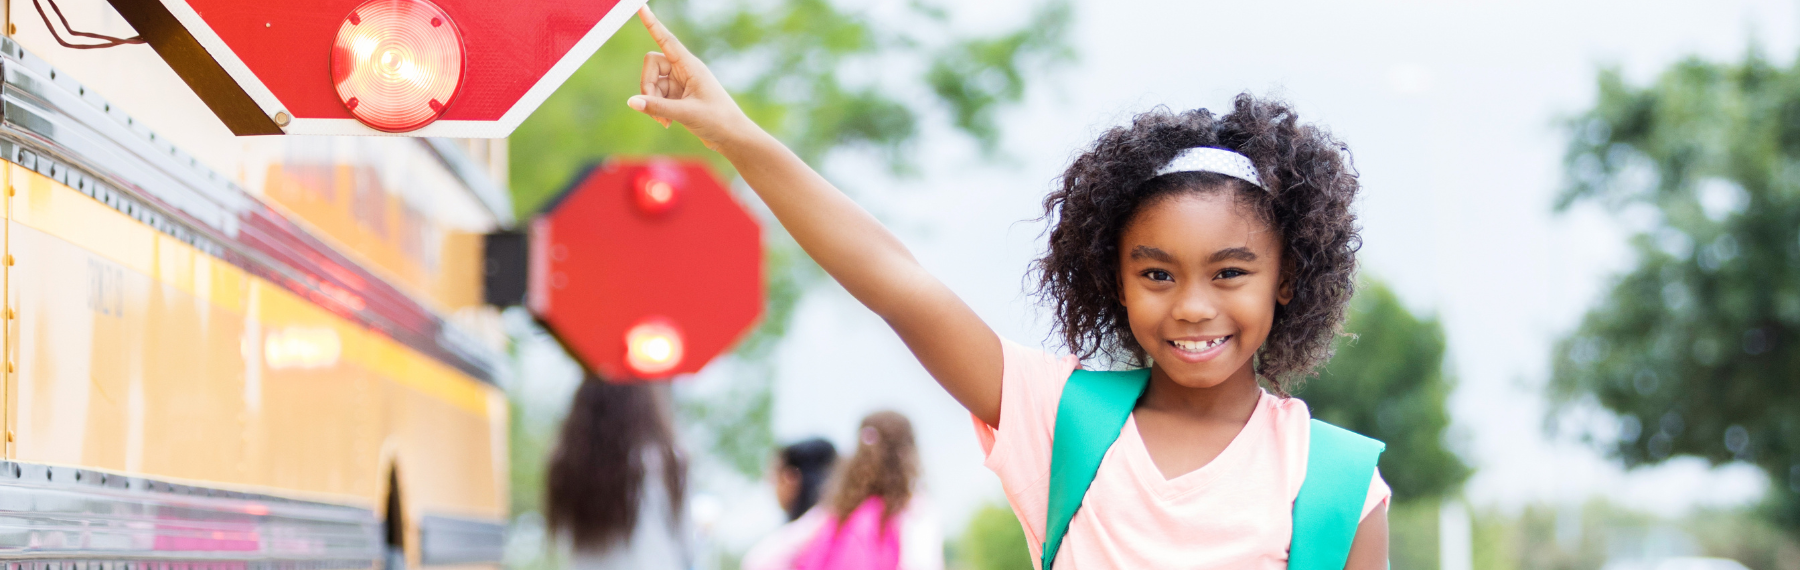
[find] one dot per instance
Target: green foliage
(1560, 538)
(529, 443)
(788, 63)
(793, 66)
(1387, 382)
(1413, 535)
(1572, 537)
(980, 74)
(993, 541)
(1696, 347)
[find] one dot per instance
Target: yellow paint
(139, 354)
(348, 206)
(8, 350)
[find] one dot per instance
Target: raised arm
(956, 347)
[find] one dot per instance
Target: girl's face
(1200, 277)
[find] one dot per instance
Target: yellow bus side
(138, 354)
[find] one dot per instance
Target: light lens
(397, 63)
(655, 193)
(653, 347)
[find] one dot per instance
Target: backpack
(1094, 407)
(862, 541)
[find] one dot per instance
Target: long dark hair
(596, 474)
(813, 458)
(885, 465)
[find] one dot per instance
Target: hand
(678, 87)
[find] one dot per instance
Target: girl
(1213, 249)
(616, 482)
(801, 473)
(872, 519)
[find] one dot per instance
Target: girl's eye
(1230, 273)
(1159, 275)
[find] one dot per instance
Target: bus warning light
(655, 194)
(397, 63)
(653, 347)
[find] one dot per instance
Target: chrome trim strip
(107, 136)
(61, 513)
(455, 540)
(54, 125)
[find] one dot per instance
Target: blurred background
(1579, 321)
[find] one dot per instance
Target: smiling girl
(1203, 251)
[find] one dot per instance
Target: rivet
(9, 438)
(10, 191)
(9, 367)
(12, 29)
(10, 314)
(9, 260)
(282, 119)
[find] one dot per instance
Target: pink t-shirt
(1235, 512)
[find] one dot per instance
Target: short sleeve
(1378, 494)
(1031, 383)
(1018, 450)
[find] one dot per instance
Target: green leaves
(1387, 382)
(821, 78)
(1697, 347)
(974, 77)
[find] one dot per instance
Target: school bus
(236, 352)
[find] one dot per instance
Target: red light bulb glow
(655, 194)
(397, 63)
(653, 347)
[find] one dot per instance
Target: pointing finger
(664, 38)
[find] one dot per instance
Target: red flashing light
(655, 194)
(653, 346)
(397, 63)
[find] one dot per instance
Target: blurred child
(1206, 253)
(872, 518)
(800, 474)
(616, 482)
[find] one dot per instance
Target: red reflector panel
(397, 63)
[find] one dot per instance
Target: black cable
(110, 40)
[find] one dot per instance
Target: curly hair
(884, 466)
(1311, 183)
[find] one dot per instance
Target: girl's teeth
(1198, 346)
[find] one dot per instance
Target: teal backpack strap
(1339, 466)
(1093, 408)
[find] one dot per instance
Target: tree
(799, 68)
(1387, 382)
(1697, 347)
(993, 541)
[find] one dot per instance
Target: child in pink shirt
(1213, 253)
(1231, 513)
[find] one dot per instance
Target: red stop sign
(646, 269)
(444, 68)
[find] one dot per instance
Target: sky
(1453, 111)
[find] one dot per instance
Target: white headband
(1216, 160)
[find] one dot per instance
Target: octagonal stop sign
(646, 269)
(441, 68)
